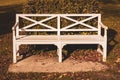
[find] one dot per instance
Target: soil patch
(37, 63)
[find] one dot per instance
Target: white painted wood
(99, 49)
(59, 40)
(57, 14)
(47, 26)
(38, 22)
(14, 47)
(33, 30)
(79, 30)
(17, 49)
(58, 25)
(79, 22)
(89, 18)
(103, 26)
(99, 26)
(60, 52)
(88, 26)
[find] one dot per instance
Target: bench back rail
(59, 29)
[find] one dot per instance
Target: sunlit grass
(11, 5)
(11, 2)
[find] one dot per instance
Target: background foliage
(62, 6)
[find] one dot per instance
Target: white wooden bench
(60, 39)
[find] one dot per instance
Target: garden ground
(111, 19)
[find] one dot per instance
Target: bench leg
(104, 52)
(59, 52)
(17, 48)
(14, 52)
(99, 49)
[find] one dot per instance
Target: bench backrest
(59, 23)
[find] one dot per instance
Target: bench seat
(85, 39)
(69, 39)
(37, 39)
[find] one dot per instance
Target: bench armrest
(103, 26)
(105, 29)
(14, 31)
(14, 27)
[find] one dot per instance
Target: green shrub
(61, 6)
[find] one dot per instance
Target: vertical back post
(58, 25)
(17, 28)
(99, 26)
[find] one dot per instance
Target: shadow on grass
(7, 17)
(109, 1)
(71, 48)
(111, 39)
(7, 20)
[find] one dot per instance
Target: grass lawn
(110, 17)
(11, 5)
(11, 2)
